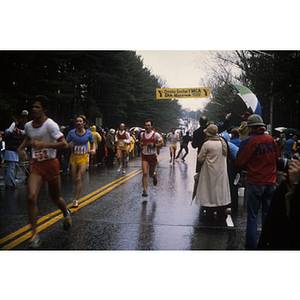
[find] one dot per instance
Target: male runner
(44, 136)
(123, 139)
(78, 139)
(173, 137)
(149, 141)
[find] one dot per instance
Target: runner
(149, 141)
(184, 145)
(173, 137)
(123, 139)
(43, 134)
(78, 139)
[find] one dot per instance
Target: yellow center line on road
(99, 193)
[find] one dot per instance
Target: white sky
(178, 69)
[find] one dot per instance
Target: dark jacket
(281, 232)
(13, 140)
(199, 138)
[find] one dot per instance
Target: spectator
(97, 139)
(290, 147)
(233, 171)
(12, 142)
(282, 226)
(213, 191)
(199, 135)
(67, 152)
(259, 153)
(281, 144)
(244, 129)
(235, 137)
(110, 144)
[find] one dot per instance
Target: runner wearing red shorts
(44, 136)
(149, 141)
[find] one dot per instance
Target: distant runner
(173, 138)
(123, 139)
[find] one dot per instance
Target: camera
(283, 163)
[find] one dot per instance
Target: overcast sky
(179, 69)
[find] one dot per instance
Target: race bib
(79, 150)
(41, 154)
(121, 144)
(146, 150)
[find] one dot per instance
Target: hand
(22, 155)
(151, 145)
(294, 171)
(36, 144)
(93, 151)
(228, 116)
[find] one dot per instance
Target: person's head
(148, 125)
(211, 130)
(122, 126)
(246, 116)
(203, 121)
(173, 130)
(235, 133)
(187, 133)
(93, 128)
(39, 107)
(43, 101)
(81, 121)
(295, 137)
(112, 131)
(255, 122)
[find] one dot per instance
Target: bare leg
(77, 177)
(119, 152)
(145, 174)
(124, 159)
(34, 184)
(54, 190)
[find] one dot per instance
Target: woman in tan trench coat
(213, 192)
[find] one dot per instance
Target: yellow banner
(183, 93)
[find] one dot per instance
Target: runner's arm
(61, 143)
(26, 142)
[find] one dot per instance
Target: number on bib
(79, 150)
(40, 155)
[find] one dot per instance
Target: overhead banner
(183, 93)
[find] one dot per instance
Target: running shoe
(75, 203)
(144, 194)
(170, 160)
(155, 179)
(119, 169)
(124, 172)
(67, 221)
(34, 242)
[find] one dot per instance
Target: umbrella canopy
(280, 129)
(135, 129)
(291, 132)
(248, 97)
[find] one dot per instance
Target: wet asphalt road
(116, 218)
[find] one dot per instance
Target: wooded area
(273, 76)
(112, 85)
